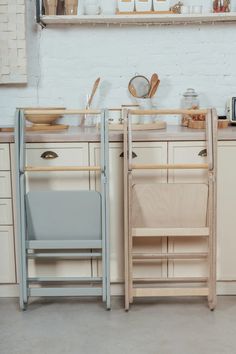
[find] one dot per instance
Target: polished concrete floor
(84, 327)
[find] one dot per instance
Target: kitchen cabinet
(187, 152)
(153, 152)
(7, 246)
(226, 221)
(7, 257)
(147, 152)
(58, 154)
(4, 157)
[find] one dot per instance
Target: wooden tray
(151, 126)
(194, 124)
(36, 127)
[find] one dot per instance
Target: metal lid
(190, 92)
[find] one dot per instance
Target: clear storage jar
(190, 101)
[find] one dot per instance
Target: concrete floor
(175, 326)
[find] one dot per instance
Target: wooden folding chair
(170, 210)
(62, 224)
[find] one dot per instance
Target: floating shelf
(160, 19)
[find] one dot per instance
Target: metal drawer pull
(134, 155)
(49, 155)
(203, 153)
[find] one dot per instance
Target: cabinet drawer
(4, 157)
(5, 184)
(6, 212)
(63, 154)
(187, 152)
(7, 255)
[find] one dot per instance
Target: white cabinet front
(58, 154)
(7, 259)
(226, 221)
(142, 153)
(187, 152)
(4, 157)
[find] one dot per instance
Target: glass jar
(92, 7)
(221, 5)
(190, 101)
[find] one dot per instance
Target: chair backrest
(169, 205)
(64, 215)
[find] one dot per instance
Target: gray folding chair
(62, 224)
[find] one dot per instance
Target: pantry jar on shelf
(125, 5)
(143, 5)
(190, 101)
(221, 5)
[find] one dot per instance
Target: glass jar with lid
(190, 101)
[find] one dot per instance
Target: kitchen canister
(50, 7)
(125, 5)
(145, 104)
(143, 5)
(71, 7)
(161, 5)
(92, 7)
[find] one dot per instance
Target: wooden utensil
(154, 82)
(95, 86)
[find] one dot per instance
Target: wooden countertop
(91, 134)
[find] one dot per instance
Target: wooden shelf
(160, 19)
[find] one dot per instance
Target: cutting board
(35, 128)
(151, 126)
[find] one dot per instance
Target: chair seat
(64, 215)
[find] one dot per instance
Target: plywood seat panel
(169, 205)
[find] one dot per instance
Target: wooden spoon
(154, 89)
(95, 86)
(153, 82)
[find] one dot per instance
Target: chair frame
(88, 286)
(133, 287)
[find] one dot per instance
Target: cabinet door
(59, 154)
(4, 157)
(7, 259)
(226, 206)
(6, 212)
(5, 184)
(187, 152)
(146, 153)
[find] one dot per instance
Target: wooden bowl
(43, 119)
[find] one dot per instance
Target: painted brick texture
(12, 42)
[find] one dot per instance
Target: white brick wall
(12, 40)
(63, 62)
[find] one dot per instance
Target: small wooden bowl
(43, 119)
